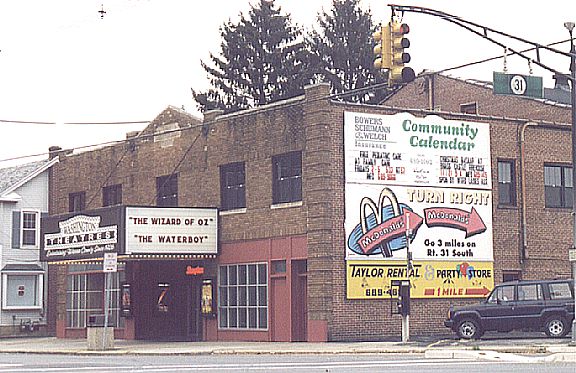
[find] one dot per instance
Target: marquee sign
(152, 230)
(85, 235)
(126, 230)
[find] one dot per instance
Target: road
(364, 363)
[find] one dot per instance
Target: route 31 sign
(517, 85)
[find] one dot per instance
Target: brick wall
(314, 125)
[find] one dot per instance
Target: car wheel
(556, 326)
(468, 329)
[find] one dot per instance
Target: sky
(62, 63)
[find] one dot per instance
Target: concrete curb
(491, 355)
(495, 352)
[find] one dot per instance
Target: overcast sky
(61, 62)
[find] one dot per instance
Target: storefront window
(243, 296)
(85, 294)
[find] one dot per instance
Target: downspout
(522, 248)
(431, 102)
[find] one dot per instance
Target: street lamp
(570, 27)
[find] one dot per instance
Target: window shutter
(16, 229)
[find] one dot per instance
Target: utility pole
(405, 287)
(570, 27)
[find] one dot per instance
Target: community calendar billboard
(428, 177)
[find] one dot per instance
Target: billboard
(402, 149)
(428, 279)
(418, 185)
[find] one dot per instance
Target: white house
(23, 200)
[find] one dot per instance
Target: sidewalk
(444, 348)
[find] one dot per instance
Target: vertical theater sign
(429, 177)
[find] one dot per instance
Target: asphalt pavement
(490, 347)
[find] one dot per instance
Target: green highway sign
(517, 85)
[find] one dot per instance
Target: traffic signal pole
(483, 32)
(570, 27)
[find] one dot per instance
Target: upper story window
(112, 195)
(30, 228)
(233, 186)
(558, 186)
(167, 191)
(25, 229)
(469, 108)
(287, 178)
(506, 183)
(76, 201)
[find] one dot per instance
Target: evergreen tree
(260, 61)
(342, 50)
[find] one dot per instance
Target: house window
(85, 294)
(22, 291)
(76, 202)
(287, 178)
(112, 195)
(506, 183)
(167, 191)
(30, 228)
(558, 186)
(243, 296)
(232, 186)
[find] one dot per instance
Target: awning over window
(22, 268)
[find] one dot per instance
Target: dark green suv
(546, 305)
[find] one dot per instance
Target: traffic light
(404, 298)
(382, 47)
(398, 57)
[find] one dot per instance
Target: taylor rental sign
(126, 230)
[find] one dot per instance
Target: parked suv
(546, 305)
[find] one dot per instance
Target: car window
(503, 294)
(530, 292)
(559, 290)
(507, 293)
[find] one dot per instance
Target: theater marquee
(130, 230)
(151, 230)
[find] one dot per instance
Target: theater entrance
(166, 302)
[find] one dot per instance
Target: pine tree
(260, 61)
(342, 50)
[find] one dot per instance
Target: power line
(73, 123)
(250, 112)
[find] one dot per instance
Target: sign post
(110, 265)
(572, 258)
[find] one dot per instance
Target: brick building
(280, 175)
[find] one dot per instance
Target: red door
(299, 301)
